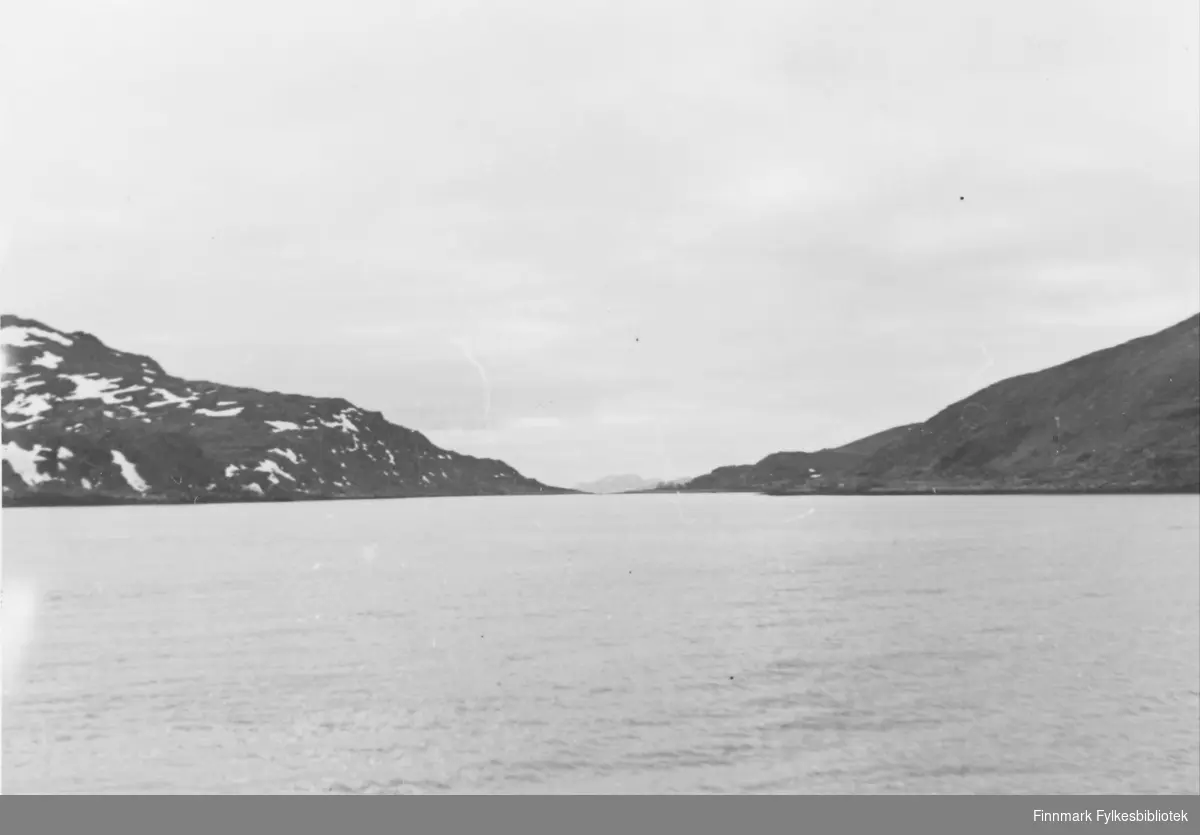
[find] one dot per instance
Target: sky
(604, 237)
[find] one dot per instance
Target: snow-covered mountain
(85, 423)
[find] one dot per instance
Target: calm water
(713, 643)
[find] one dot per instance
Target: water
(578, 644)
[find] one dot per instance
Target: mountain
(618, 484)
(85, 423)
(628, 484)
(776, 470)
(785, 470)
(670, 483)
(1126, 418)
(873, 443)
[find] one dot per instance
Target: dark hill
(777, 470)
(1125, 418)
(85, 423)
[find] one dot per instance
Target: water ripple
(991, 645)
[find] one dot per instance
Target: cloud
(485, 384)
(623, 420)
(736, 224)
(537, 423)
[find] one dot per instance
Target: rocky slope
(1126, 418)
(777, 470)
(84, 423)
(823, 469)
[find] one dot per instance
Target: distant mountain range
(626, 484)
(85, 424)
(1126, 418)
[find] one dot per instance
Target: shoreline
(31, 501)
(1190, 490)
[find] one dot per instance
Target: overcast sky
(604, 237)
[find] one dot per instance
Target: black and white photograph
(564, 397)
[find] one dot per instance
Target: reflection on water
(610, 644)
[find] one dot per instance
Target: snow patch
(281, 425)
(168, 398)
(87, 484)
(105, 389)
(29, 406)
(222, 413)
(342, 422)
(20, 336)
(253, 488)
(129, 471)
(288, 454)
(231, 470)
(47, 360)
(272, 470)
(63, 452)
(26, 383)
(227, 403)
(24, 462)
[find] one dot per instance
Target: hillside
(85, 423)
(873, 443)
(823, 469)
(777, 470)
(1125, 418)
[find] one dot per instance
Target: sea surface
(606, 644)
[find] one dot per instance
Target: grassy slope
(1126, 418)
